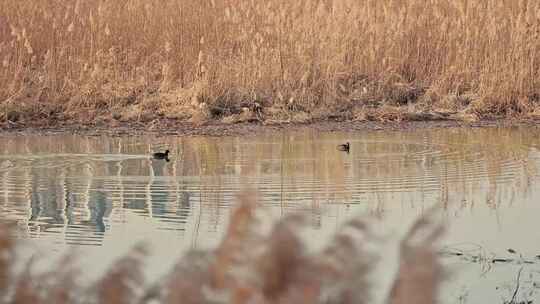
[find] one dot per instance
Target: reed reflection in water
(106, 191)
(79, 186)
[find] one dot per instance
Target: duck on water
(344, 147)
(161, 155)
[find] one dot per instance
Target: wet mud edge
(216, 129)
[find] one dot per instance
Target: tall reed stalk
(295, 60)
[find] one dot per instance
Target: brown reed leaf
(238, 242)
(25, 290)
(123, 281)
(186, 281)
(60, 285)
(420, 272)
(6, 257)
(282, 260)
(347, 263)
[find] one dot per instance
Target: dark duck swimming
(161, 155)
(344, 147)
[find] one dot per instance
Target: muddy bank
(166, 127)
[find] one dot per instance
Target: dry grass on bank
(282, 60)
(249, 266)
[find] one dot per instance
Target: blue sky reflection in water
(102, 195)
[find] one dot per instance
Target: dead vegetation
(104, 61)
(249, 266)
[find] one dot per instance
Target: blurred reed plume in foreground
(275, 61)
(251, 265)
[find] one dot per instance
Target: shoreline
(166, 127)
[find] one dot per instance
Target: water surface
(102, 195)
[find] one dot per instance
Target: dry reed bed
(281, 60)
(249, 266)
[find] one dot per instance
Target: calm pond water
(104, 194)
